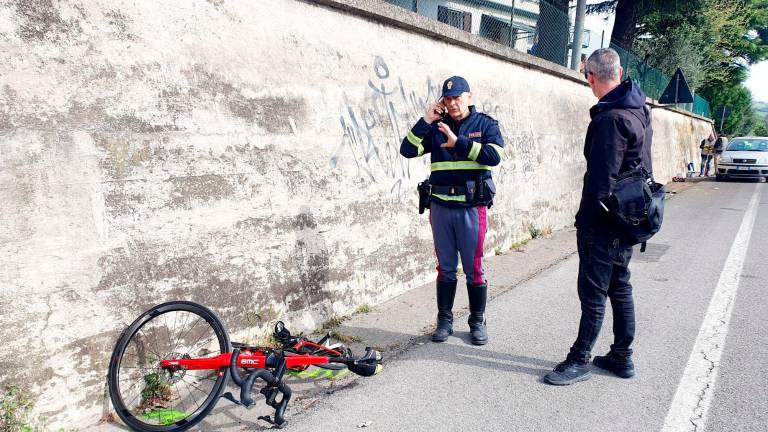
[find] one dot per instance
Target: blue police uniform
(461, 191)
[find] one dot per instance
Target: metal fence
(540, 28)
(653, 81)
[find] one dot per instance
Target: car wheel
(719, 177)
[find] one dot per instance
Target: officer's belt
(449, 190)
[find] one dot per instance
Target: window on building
(585, 38)
(456, 18)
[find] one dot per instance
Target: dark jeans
(603, 272)
(705, 163)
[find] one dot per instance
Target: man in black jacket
(618, 140)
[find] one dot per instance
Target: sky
(758, 81)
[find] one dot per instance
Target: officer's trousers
(459, 231)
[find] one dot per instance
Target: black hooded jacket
(618, 139)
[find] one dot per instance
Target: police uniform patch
(475, 134)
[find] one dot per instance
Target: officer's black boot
(478, 294)
(446, 291)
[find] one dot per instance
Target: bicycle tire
(160, 404)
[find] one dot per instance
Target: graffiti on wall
(373, 129)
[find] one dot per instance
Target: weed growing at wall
(15, 412)
(15, 406)
(535, 232)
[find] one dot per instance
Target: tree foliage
(713, 41)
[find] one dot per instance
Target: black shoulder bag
(637, 205)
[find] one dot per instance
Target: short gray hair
(604, 64)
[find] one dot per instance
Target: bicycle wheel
(153, 399)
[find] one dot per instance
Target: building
(515, 23)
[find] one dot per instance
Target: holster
(425, 193)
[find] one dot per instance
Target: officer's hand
(451, 137)
(434, 112)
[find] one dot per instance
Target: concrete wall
(243, 155)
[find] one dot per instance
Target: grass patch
(343, 338)
(518, 246)
(15, 412)
(333, 323)
(15, 406)
(363, 308)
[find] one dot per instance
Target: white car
(744, 157)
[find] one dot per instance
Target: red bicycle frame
(246, 359)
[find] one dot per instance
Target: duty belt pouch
(425, 193)
(471, 191)
(488, 191)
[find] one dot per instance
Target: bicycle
(170, 367)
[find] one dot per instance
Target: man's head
(603, 71)
(456, 97)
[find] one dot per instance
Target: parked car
(744, 157)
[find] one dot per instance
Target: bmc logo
(249, 361)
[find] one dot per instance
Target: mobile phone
(443, 110)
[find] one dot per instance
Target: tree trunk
(625, 25)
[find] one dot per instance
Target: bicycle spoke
(147, 396)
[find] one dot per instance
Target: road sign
(677, 90)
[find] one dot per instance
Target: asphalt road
(456, 386)
(700, 353)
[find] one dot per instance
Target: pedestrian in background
(618, 141)
(464, 144)
(707, 148)
(720, 143)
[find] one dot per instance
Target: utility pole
(578, 33)
(512, 25)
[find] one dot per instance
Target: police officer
(464, 144)
(618, 140)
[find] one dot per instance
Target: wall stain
(204, 85)
(189, 190)
(40, 20)
(123, 154)
(120, 22)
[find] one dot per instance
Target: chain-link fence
(653, 81)
(543, 29)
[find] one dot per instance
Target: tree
(761, 129)
(713, 41)
(738, 100)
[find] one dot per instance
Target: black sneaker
(623, 368)
(568, 372)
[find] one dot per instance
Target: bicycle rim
(149, 398)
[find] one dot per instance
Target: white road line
(688, 411)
